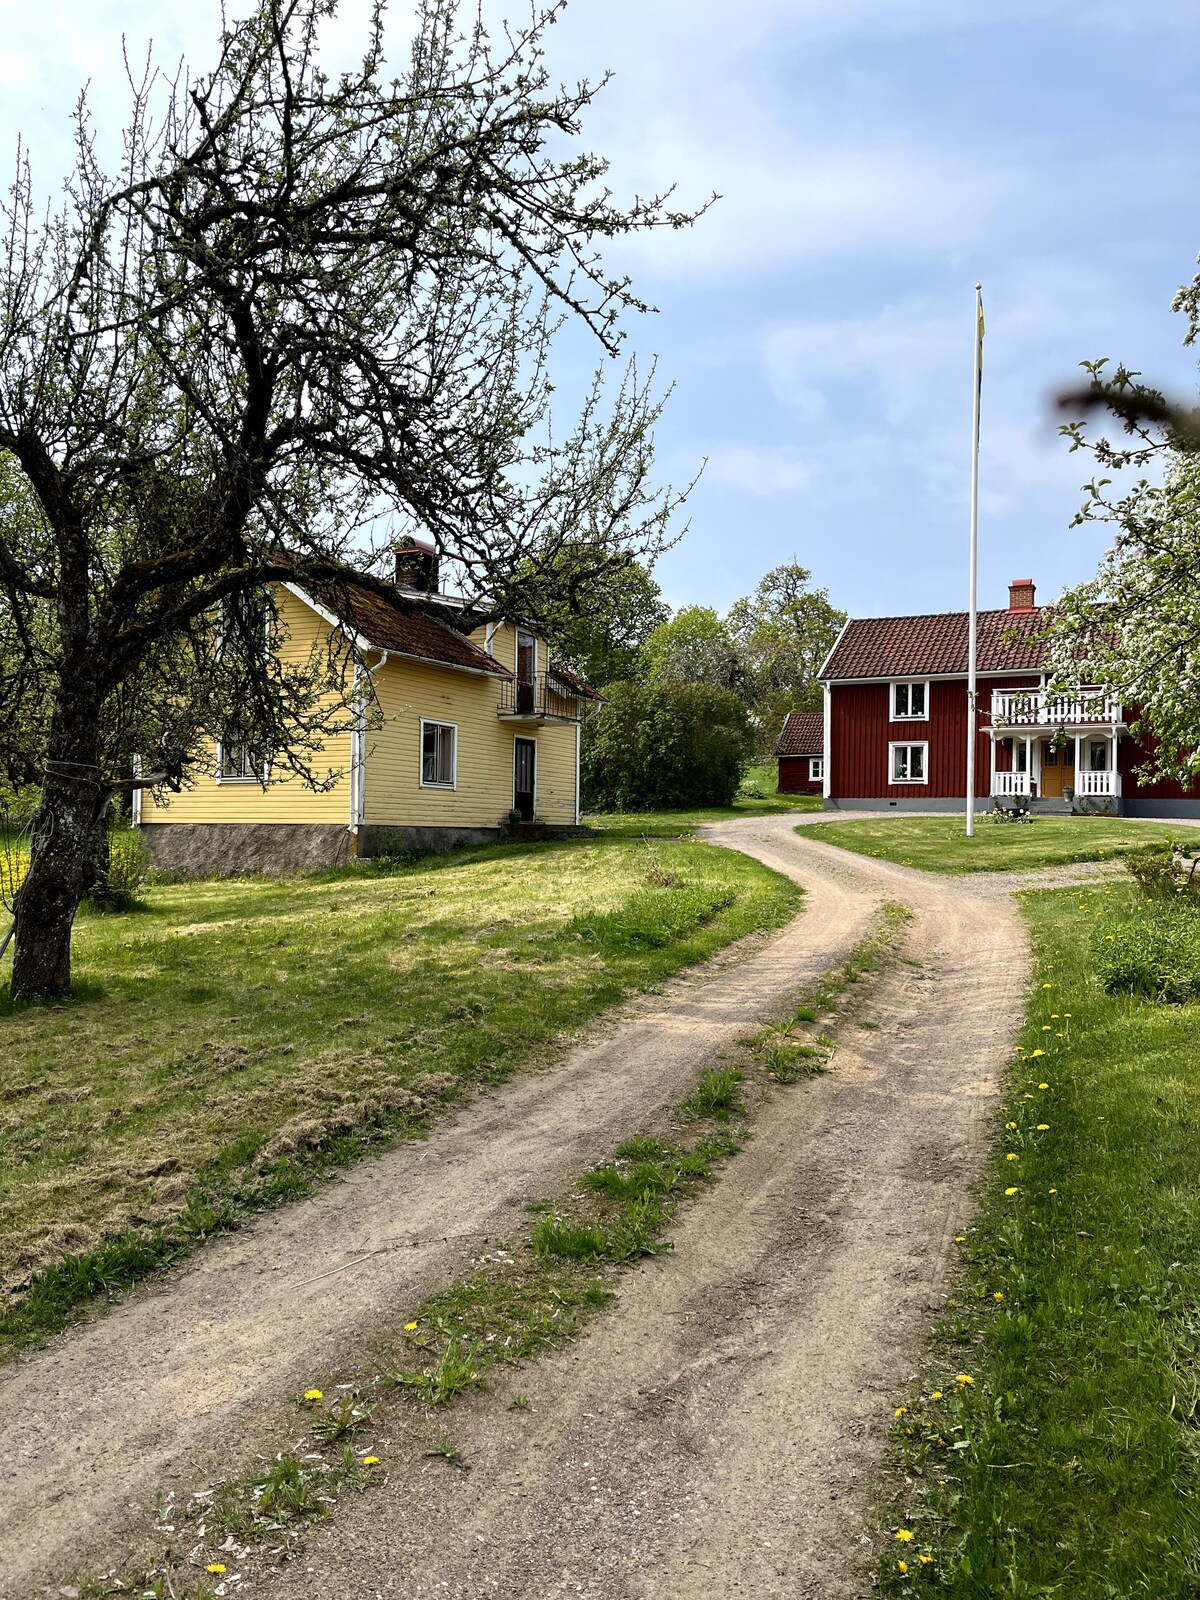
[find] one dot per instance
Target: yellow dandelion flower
(1037, 1053)
(1009, 1126)
(904, 1535)
(964, 1380)
(900, 1411)
(1043, 1085)
(960, 1238)
(1047, 986)
(370, 1461)
(936, 1395)
(1012, 1156)
(409, 1327)
(215, 1566)
(997, 1297)
(1046, 1028)
(925, 1561)
(902, 1566)
(1012, 1191)
(1043, 1127)
(1052, 1191)
(313, 1394)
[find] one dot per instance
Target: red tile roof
(803, 735)
(572, 680)
(913, 647)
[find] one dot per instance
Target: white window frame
(910, 684)
(429, 783)
(816, 769)
(260, 777)
(908, 744)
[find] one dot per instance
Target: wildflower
(1054, 1014)
(1046, 1028)
(1012, 1191)
(1047, 986)
(964, 1380)
(960, 1238)
(1053, 1191)
(1066, 1013)
(1012, 1156)
(902, 1566)
(997, 1297)
(904, 1535)
(1009, 1126)
(925, 1561)
(936, 1395)
(313, 1394)
(1043, 1085)
(370, 1461)
(1043, 1127)
(409, 1326)
(1034, 1054)
(215, 1566)
(900, 1410)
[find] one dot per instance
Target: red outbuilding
(801, 753)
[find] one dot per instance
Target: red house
(801, 753)
(895, 722)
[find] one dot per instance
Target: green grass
(1071, 1465)
(937, 844)
(758, 798)
(233, 1040)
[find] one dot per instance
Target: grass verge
(521, 1298)
(935, 844)
(758, 797)
(1052, 1448)
(237, 1040)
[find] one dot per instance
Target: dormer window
(910, 702)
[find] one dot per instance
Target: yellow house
(473, 733)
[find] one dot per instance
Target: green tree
(662, 746)
(695, 646)
(601, 630)
(299, 300)
(782, 634)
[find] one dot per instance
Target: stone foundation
(226, 849)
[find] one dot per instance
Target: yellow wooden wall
(407, 691)
(288, 800)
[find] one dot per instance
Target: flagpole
(972, 625)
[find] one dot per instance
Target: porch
(1041, 766)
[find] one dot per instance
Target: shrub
(1166, 871)
(1153, 952)
(128, 865)
(664, 746)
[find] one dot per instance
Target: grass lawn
(757, 799)
(1069, 1466)
(229, 1039)
(938, 844)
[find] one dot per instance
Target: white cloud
(759, 469)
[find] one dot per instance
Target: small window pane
(901, 699)
(437, 753)
(916, 699)
(916, 761)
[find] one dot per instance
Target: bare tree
(304, 301)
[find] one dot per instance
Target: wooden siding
(862, 730)
(1131, 754)
(286, 801)
(794, 778)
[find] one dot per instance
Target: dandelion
(904, 1535)
(936, 1395)
(900, 1410)
(997, 1297)
(964, 1380)
(215, 1566)
(1037, 1053)
(409, 1327)
(1046, 1028)
(926, 1561)
(1009, 1126)
(1043, 1085)
(1053, 1191)
(370, 1461)
(960, 1238)
(1011, 1192)
(1043, 1127)
(1012, 1156)
(902, 1566)
(1047, 986)
(313, 1394)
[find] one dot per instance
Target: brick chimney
(1020, 595)
(417, 566)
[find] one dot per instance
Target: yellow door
(1052, 770)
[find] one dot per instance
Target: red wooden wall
(794, 778)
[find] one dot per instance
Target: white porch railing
(1033, 708)
(1010, 783)
(1098, 783)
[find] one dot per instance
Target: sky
(875, 159)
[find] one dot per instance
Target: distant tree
(782, 634)
(601, 629)
(695, 646)
(663, 746)
(299, 300)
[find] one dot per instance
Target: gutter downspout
(578, 805)
(827, 779)
(358, 748)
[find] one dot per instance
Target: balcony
(1034, 708)
(543, 698)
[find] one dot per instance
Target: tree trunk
(67, 841)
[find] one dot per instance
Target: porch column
(1078, 764)
(1112, 762)
(1028, 765)
(992, 749)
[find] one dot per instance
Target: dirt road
(711, 1436)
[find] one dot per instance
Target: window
(237, 760)
(910, 702)
(816, 769)
(909, 763)
(1098, 757)
(439, 754)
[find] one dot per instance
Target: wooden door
(525, 777)
(1052, 770)
(526, 672)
